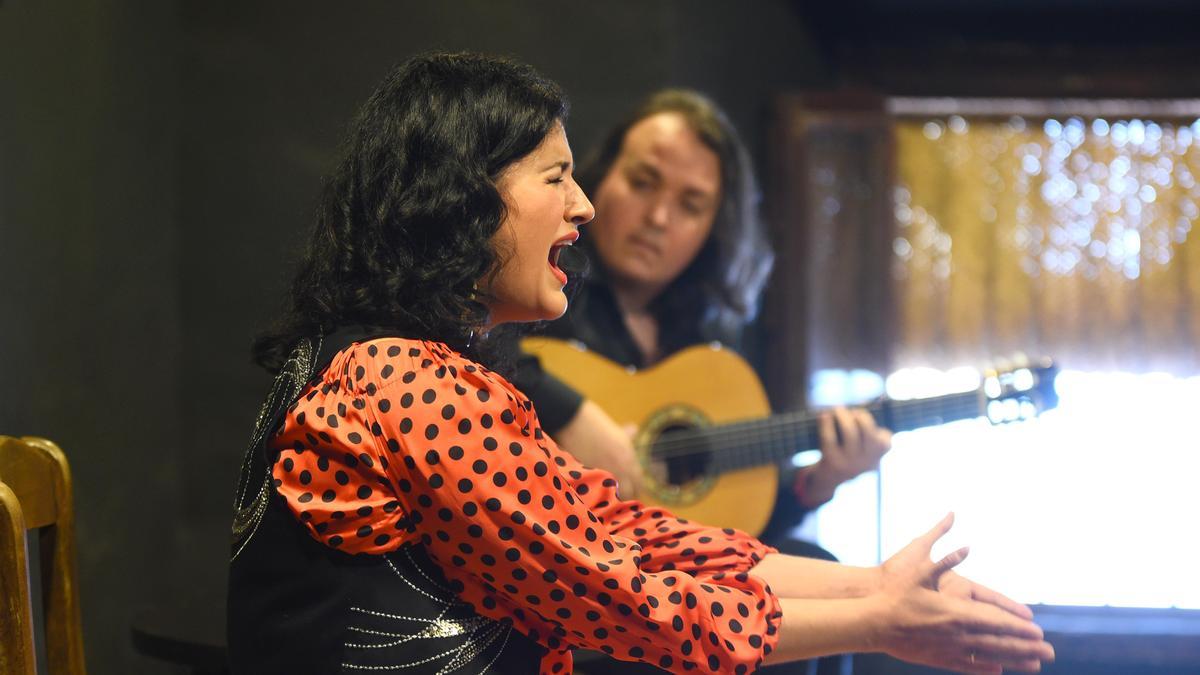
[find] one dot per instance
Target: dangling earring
(472, 297)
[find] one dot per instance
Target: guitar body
(700, 386)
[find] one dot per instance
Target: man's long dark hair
(717, 294)
(404, 226)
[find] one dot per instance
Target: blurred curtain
(1068, 237)
(944, 240)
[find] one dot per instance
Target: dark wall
(90, 318)
(158, 163)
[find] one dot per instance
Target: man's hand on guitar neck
(851, 444)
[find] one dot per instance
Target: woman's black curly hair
(404, 227)
(717, 293)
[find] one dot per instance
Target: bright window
(1093, 503)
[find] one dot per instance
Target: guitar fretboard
(742, 445)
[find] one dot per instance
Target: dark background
(159, 160)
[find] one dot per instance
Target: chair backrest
(35, 494)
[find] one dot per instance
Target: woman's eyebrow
(560, 164)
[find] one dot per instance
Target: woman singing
(401, 508)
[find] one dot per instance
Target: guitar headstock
(1019, 391)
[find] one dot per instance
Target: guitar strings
(752, 435)
(744, 452)
(902, 417)
(747, 452)
(784, 433)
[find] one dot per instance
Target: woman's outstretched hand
(934, 617)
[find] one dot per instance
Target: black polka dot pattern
(406, 441)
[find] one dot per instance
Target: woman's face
(657, 204)
(545, 209)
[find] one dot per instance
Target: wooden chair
(35, 494)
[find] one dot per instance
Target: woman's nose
(580, 209)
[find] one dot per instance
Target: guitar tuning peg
(1020, 360)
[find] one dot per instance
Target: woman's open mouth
(556, 250)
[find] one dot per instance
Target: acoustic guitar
(703, 413)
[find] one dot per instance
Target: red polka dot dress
(405, 442)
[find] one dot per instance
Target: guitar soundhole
(678, 456)
(686, 458)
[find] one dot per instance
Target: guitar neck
(777, 438)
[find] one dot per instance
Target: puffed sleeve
(329, 468)
(495, 503)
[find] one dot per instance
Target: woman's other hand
(949, 622)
